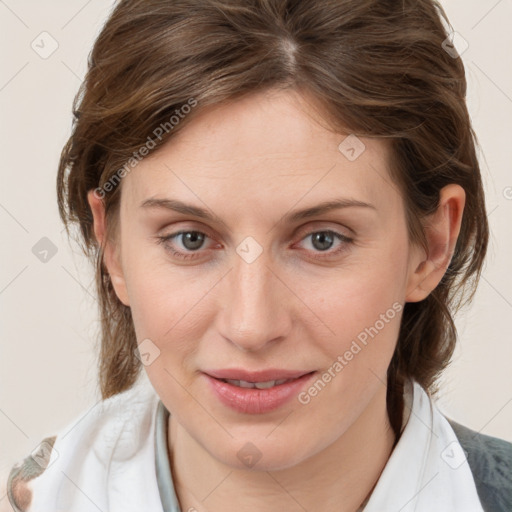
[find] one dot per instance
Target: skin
(250, 162)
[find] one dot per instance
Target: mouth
(256, 393)
(256, 385)
(270, 375)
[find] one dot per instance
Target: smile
(257, 397)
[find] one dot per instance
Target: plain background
(48, 324)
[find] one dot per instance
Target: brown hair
(378, 67)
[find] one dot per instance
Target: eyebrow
(294, 216)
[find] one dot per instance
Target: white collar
(428, 469)
(104, 460)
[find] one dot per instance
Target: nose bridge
(253, 314)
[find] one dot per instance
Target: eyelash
(191, 255)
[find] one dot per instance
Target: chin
(260, 455)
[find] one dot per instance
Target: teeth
(258, 385)
(265, 385)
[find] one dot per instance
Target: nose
(255, 305)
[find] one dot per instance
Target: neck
(339, 477)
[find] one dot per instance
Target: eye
(191, 241)
(322, 241)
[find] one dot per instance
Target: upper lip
(257, 376)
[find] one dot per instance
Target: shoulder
(19, 490)
(111, 430)
(490, 460)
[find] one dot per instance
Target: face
(251, 285)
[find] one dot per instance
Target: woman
(284, 207)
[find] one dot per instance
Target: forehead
(264, 147)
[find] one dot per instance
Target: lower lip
(257, 401)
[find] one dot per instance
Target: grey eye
(322, 240)
(192, 240)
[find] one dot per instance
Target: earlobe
(442, 230)
(110, 250)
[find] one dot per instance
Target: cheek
(169, 303)
(364, 323)
(360, 307)
(167, 309)
(163, 302)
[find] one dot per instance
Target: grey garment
(490, 460)
(163, 464)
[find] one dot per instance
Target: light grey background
(48, 324)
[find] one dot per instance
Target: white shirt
(106, 459)
(427, 470)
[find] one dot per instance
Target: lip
(253, 400)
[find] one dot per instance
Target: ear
(442, 229)
(111, 251)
